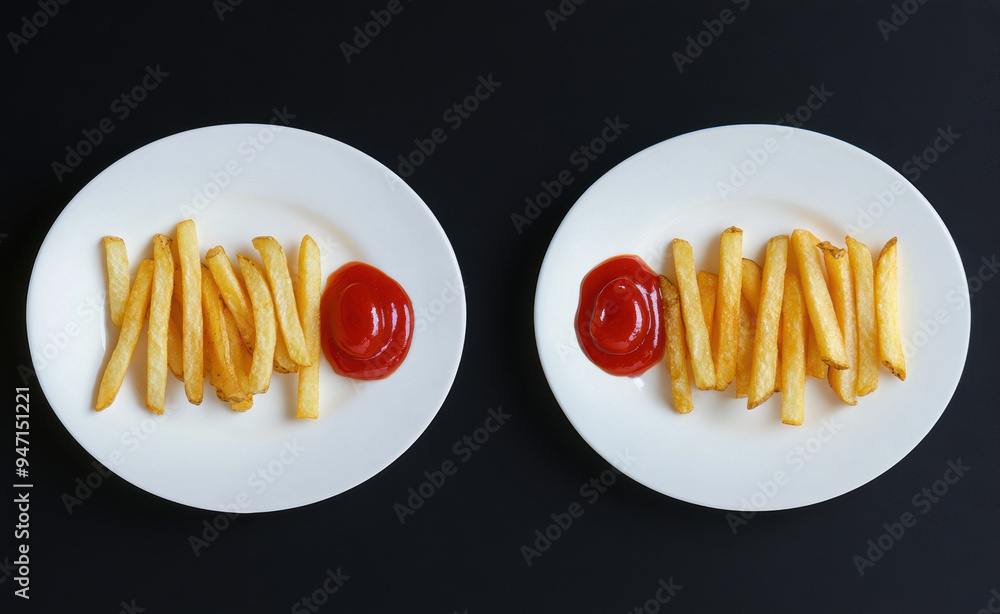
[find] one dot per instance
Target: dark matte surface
(461, 551)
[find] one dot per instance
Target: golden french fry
(192, 323)
(726, 325)
(863, 275)
(702, 365)
(765, 344)
(159, 318)
(744, 349)
(676, 359)
(793, 352)
(843, 381)
(283, 363)
(175, 353)
(135, 314)
(821, 313)
(233, 294)
(307, 296)
(751, 283)
(116, 259)
(223, 368)
(241, 362)
(708, 284)
(815, 367)
(276, 267)
(887, 311)
(264, 325)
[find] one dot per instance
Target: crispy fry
(283, 363)
(135, 314)
(793, 352)
(765, 345)
(838, 266)
(223, 369)
(264, 325)
(725, 328)
(696, 329)
(241, 361)
(192, 323)
(276, 267)
(708, 285)
(821, 313)
(159, 318)
(863, 275)
(233, 293)
(751, 283)
(307, 296)
(175, 351)
(676, 359)
(744, 349)
(116, 259)
(887, 311)
(815, 367)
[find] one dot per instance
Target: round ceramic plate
(238, 182)
(767, 180)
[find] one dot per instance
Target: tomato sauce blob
(619, 321)
(366, 322)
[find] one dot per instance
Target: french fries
(116, 259)
(725, 329)
(264, 325)
(676, 359)
(793, 352)
(821, 313)
(241, 363)
(307, 296)
(744, 349)
(751, 283)
(863, 275)
(765, 345)
(192, 324)
(223, 367)
(815, 367)
(233, 294)
(708, 285)
(159, 318)
(276, 267)
(887, 311)
(128, 336)
(702, 364)
(838, 266)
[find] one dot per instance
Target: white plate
(722, 455)
(238, 182)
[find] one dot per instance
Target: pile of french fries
(768, 328)
(205, 321)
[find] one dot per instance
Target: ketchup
(366, 322)
(619, 322)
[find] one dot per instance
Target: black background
(461, 551)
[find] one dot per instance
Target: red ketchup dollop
(619, 322)
(366, 322)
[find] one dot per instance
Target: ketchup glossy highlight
(366, 322)
(619, 321)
